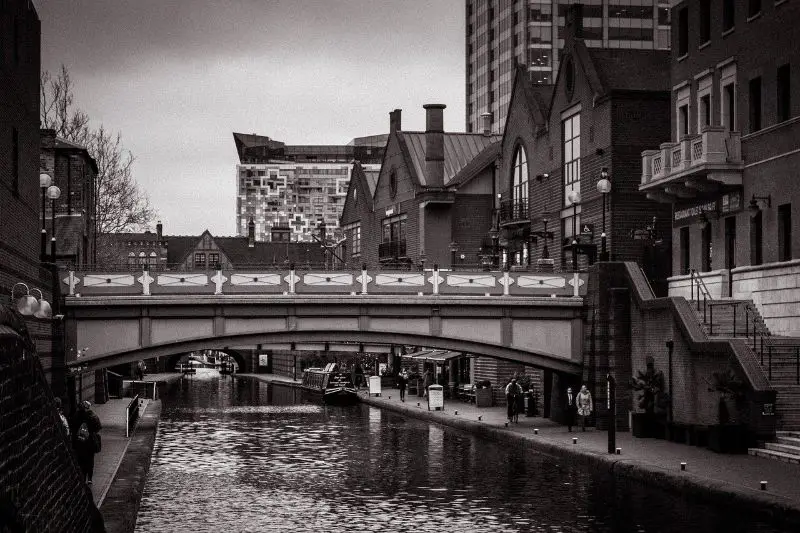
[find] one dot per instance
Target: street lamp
(453, 252)
(29, 305)
(604, 187)
(44, 182)
(544, 234)
(575, 198)
(54, 193)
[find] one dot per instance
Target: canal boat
(226, 368)
(335, 387)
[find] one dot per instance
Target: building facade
(504, 33)
(297, 186)
(728, 170)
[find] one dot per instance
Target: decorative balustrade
(713, 146)
(293, 282)
(513, 210)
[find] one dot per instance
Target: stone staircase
(786, 448)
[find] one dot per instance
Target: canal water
(236, 454)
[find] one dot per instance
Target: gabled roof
(537, 97)
(459, 150)
(63, 144)
(238, 251)
(486, 158)
(178, 246)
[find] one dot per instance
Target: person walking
(140, 371)
(402, 381)
(427, 381)
(513, 391)
(584, 403)
(86, 438)
(571, 409)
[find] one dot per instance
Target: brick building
(74, 172)
(728, 169)
(604, 107)
(431, 203)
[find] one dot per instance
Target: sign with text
(587, 229)
(727, 203)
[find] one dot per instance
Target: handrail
(131, 414)
(694, 275)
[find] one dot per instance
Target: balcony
(701, 163)
(514, 212)
(392, 250)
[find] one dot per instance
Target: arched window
(153, 259)
(519, 178)
(142, 258)
(131, 259)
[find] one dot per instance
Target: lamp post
(54, 193)
(603, 187)
(453, 252)
(575, 198)
(544, 234)
(44, 182)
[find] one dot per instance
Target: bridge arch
(539, 359)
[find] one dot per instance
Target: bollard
(574, 440)
(390, 397)
(417, 404)
(456, 412)
(683, 466)
(763, 485)
(506, 424)
(619, 451)
(480, 418)
(535, 431)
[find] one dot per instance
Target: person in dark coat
(572, 408)
(402, 381)
(85, 432)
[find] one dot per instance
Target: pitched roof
(631, 69)
(487, 157)
(238, 251)
(63, 144)
(178, 246)
(459, 150)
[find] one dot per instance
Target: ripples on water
(238, 455)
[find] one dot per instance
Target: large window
(684, 250)
(571, 135)
(353, 233)
(753, 8)
(729, 106)
(213, 259)
(783, 96)
(200, 260)
(683, 32)
(394, 229)
(728, 14)
(705, 21)
(757, 239)
(519, 178)
(730, 242)
(755, 104)
(785, 232)
(705, 265)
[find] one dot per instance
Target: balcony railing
(514, 211)
(391, 250)
(714, 148)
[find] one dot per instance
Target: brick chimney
(395, 123)
(573, 28)
(434, 145)
(159, 230)
(486, 121)
(251, 233)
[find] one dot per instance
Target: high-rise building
(503, 33)
(296, 187)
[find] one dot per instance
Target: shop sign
(768, 409)
(727, 203)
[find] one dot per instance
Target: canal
(236, 454)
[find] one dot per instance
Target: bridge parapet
(290, 282)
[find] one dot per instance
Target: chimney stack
(251, 233)
(486, 121)
(395, 123)
(159, 229)
(434, 145)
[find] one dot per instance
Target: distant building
(297, 187)
(501, 34)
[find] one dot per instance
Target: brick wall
(472, 219)
(35, 453)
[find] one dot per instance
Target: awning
(433, 356)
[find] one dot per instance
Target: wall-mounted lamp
(754, 208)
(542, 177)
(29, 305)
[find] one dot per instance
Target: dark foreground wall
(41, 488)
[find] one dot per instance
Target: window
(683, 120)
(15, 161)
(353, 234)
(757, 239)
(684, 257)
(705, 21)
(519, 178)
(728, 14)
(755, 104)
(730, 242)
(200, 260)
(729, 106)
(705, 265)
(785, 232)
(393, 184)
(705, 110)
(571, 137)
(783, 97)
(683, 32)
(132, 259)
(753, 8)
(394, 229)
(213, 259)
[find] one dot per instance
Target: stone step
(785, 448)
(788, 434)
(788, 441)
(776, 455)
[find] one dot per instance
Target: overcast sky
(177, 77)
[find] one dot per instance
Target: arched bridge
(530, 318)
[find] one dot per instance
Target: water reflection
(237, 455)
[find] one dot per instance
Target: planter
(483, 397)
(728, 438)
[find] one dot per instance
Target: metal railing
(392, 250)
(514, 210)
(131, 415)
(698, 288)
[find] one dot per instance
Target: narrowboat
(335, 387)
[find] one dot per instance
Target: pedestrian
(63, 418)
(513, 391)
(571, 409)
(140, 371)
(402, 381)
(427, 381)
(86, 438)
(584, 403)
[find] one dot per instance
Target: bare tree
(119, 203)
